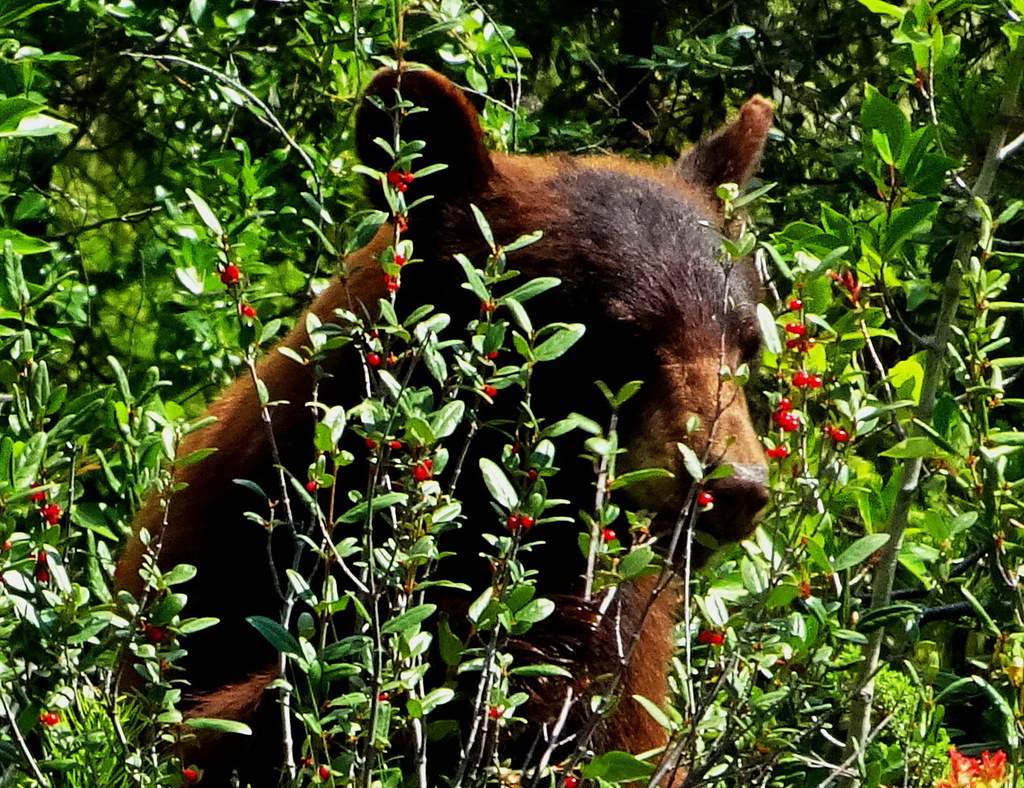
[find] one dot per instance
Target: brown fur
(635, 246)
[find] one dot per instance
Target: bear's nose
(741, 495)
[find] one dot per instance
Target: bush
(177, 181)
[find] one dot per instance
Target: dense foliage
(175, 181)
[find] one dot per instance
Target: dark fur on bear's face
(636, 247)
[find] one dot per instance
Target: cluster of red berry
(515, 521)
(49, 718)
(400, 181)
(708, 637)
(230, 274)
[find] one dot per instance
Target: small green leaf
(203, 209)
(859, 551)
(224, 726)
(498, 485)
(275, 634)
(409, 619)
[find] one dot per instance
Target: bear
(637, 249)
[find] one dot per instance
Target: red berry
(7, 545)
(779, 452)
(154, 634)
(421, 472)
(608, 535)
(391, 283)
(312, 486)
(532, 474)
(38, 496)
(230, 274)
(494, 712)
(374, 360)
(487, 306)
(795, 304)
(371, 444)
(384, 697)
(571, 781)
(513, 521)
(394, 445)
(805, 590)
(402, 223)
(428, 463)
(42, 575)
(408, 177)
(392, 359)
(709, 638)
(814, 382)
(325, 771)
(838, 434)
(787, 421)
(399, 180)
(801, 379)
(51, 512)
(399, 259)
(796, 328)
(705, 499)
(490, 391)
(526, 521)
(190, 776)
(785, 404)
(49, 718)
(492, 355)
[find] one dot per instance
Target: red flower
(490, 391)
(848, 281)
(190, 775)
(705, 499)
(796, 328)
(608, 535)
(49, 718)
(247, 310)
(967, 772)
(709, 638)
(779, 452)
(230, 274)
(51, 512)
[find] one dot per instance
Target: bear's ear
(445, 121)
(731, 154)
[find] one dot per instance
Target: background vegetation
(873, 622)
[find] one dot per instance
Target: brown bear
(637, 248)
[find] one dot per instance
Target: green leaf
(224, 726)
(616, 766)
(878, 112)
(641, 475)
(529, 671)
(635, 562)
(358, 512)
(498, 485)
(208, 217)
(409, 619)
(555, 346)
(535, 610)
(917, 446)
(880, 7)
(905, 223)
(275, 634)
(447, 420)
(532, 288)
(24, 244)
(769, 331)
(859, 551)
(693, 465)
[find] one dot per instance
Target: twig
(22, 744)
(860, 714)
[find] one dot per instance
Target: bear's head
(637, 247)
